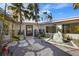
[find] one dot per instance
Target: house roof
(63, 21)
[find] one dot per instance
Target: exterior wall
(49, 25)
(15, 28)
(34, 27)
(24, 29)
(73, 36)
(43, 26)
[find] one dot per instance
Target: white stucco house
(69, 26)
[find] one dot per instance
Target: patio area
(36, 47)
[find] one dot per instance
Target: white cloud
(59, 6)
(26, 5)
(47, 6)
(56, 6)
(46, 10)
(53, 6)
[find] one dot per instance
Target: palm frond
(44, 12)
(12, 7)
(76, 6)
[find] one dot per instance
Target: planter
(67, 40)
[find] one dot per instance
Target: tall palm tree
(49, 16)
(17, 10)
(14, 15)
(4, 17)
(33, 12)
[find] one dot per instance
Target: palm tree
(33, 12)
(17, 11)
(4, 24)
(14, 15)
(49, 16)
(76, 6)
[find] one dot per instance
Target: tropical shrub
(15, 38)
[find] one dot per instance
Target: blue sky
(58, 10)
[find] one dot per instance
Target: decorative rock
(31, 41)
(29, 54)
(13, 43)
(23, 43)
(45, 52)
(39, 45)
(33, 47)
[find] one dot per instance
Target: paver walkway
(37, 47)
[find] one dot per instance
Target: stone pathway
(37, 47)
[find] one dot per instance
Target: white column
(25, 32)
(33, 30)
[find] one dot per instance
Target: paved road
(37, 47)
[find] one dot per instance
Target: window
(50, 29)
(71, 28)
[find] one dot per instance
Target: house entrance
(29, 30)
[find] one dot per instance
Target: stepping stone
(31, 41)
(45, 52)
(33, 47)
(13, 43)
(39, 45)
(29, 54)
(23, 43)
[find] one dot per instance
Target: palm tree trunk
(36, 14)
(20, 19)
(37, 26)
(12, 32)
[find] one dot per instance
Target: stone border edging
(64, 45)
